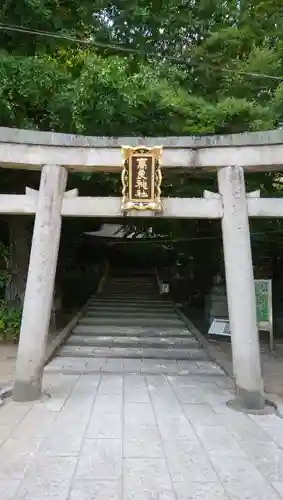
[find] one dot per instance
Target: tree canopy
(53, 83)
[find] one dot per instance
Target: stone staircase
(130, 320)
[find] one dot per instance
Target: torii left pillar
(40, 284)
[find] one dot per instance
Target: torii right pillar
(240, 289)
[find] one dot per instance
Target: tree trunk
(19, 243)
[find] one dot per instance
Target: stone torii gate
(57, 154)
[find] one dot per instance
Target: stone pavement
(81, 365)
(271, 363)
(138, 437)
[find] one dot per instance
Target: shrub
(10, 322)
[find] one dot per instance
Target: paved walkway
(138, 437)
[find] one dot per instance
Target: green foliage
(106, 98)
(4, 252)
(4, 275)
(241, 115)
(10, 322)
(69, 17)
(51, 84)
(4, 279)
(28, 87)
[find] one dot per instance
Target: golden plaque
(141, 178)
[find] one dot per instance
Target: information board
(263, 301)
(263, 294)
(220, 327)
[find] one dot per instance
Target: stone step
(80, 365)
(132, 286)
(138, 313)
(128, 286)
(137, 331)
(130, 300)
(132, 341)
(129, 292)
(132, 352)
(132, 321)
(141, 284)
(128, 295)
(131, 309)
(131, 305)
(148, 278)
(134, 281)
(128, 289)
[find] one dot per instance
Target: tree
(16, 234)
(71, 18)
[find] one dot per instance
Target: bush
(10, 323)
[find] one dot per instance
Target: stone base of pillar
(24, 391)
(250, 402)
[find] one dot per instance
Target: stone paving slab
(173, 353)
(81, 365)
(117, 436)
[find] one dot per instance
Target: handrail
(103, 277)
(159, 281)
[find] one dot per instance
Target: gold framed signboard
(141, 178)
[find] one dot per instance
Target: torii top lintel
(30, 149)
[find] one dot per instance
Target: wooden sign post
(141, 178)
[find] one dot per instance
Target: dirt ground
(8, 354)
